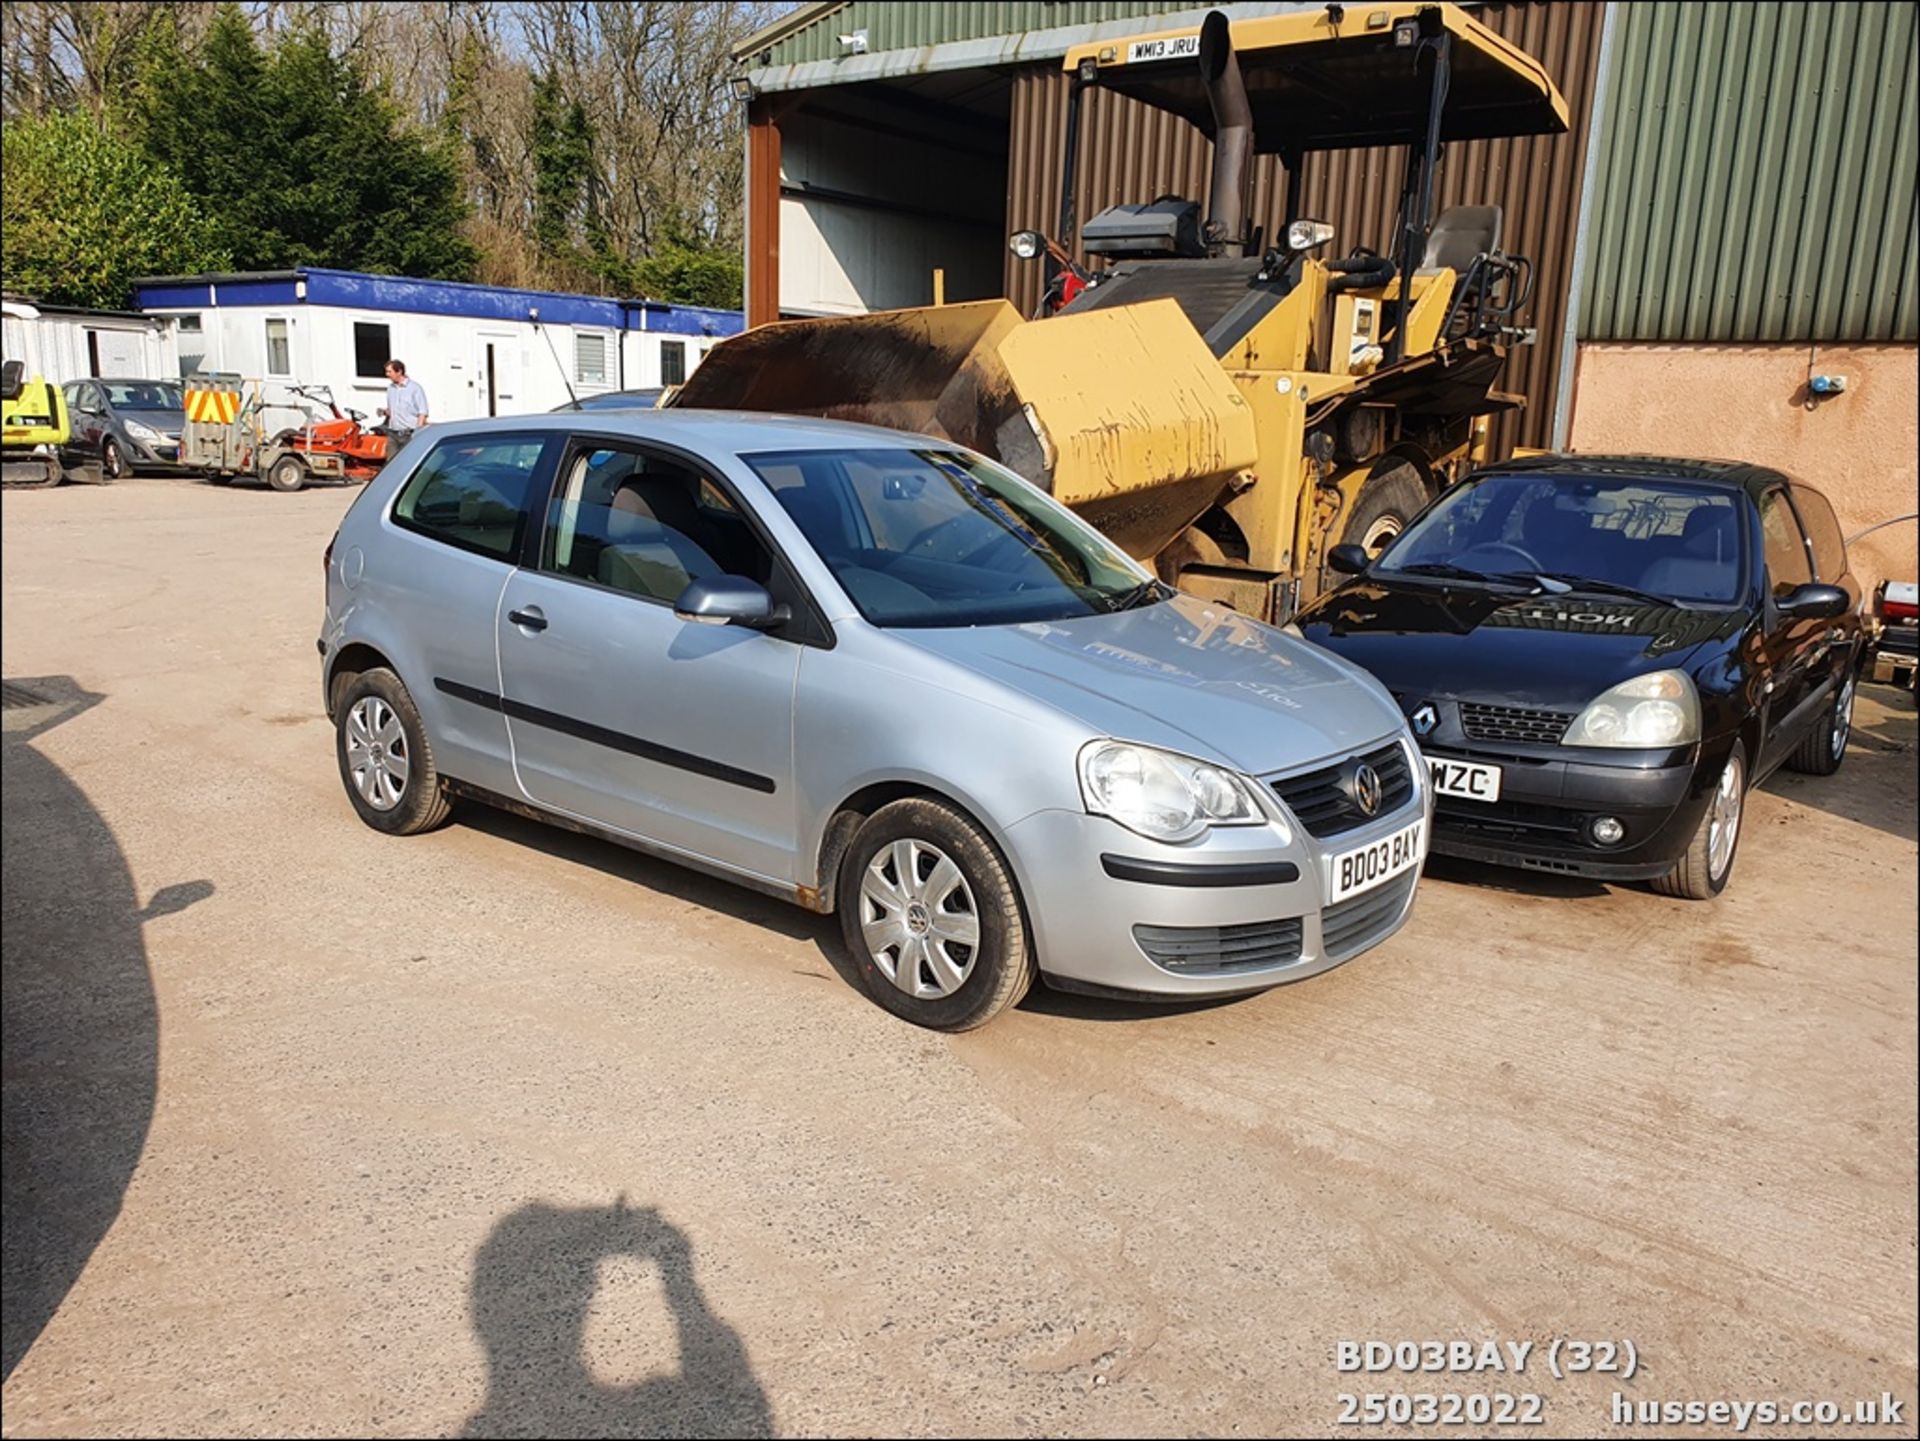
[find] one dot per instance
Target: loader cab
(1411, 76)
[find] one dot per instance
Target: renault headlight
(1163, 796)
(1658, 709)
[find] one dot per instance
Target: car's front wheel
(113, 460)
(386, 763)
(929, 911)
(1825, 747)
(1703, 872)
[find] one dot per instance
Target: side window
(472, 492)
(645, 524)
(589, 358)
(279, 351)
(1823, 529)
(372, 345)
(673, 362)
(1787, 565)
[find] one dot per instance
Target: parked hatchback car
(869, 673)
(1602, 655)
(131, 424)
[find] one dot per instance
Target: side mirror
(729, 600)
(1813, 602)
(12, 376)
(1349, 559)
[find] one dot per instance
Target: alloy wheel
(1724, 817)
(918, 918)
(377, 753)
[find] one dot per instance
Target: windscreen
(943, 538)
(1681, 542)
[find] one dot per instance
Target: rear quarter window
(473, 492)
(1823, 529)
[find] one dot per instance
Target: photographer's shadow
(533, 1283)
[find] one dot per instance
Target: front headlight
(1161, 795)
(1026, 244)
(1660, 708)
(143, 432)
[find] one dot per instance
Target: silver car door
(619, 712)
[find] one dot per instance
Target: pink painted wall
(1750, 402)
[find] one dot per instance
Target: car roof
(131, 379)
(738, 432)
(1743, 474)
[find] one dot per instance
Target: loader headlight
(1027, 244)
(1164, 796)
(1308, 235)
(1660, 708)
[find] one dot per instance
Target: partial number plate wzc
(1464, 780)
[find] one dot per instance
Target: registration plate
(1178, 47)
(1464, 780)
(1361, 870)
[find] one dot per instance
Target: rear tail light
(1899, 610)
(326, 558)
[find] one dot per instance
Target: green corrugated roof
(813, 31)
(1757, 176)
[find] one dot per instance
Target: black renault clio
(1601, 655)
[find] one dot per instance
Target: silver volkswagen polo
(873, 674)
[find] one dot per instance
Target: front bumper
(163, 454)
(1114, 913)
(1548, 802)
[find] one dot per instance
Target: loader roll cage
(1340, 78)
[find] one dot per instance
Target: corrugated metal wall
(891, 25)
(1757, 177)
(1130, 152)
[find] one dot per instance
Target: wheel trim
(918, 919)
(1843, 718)
(377, 755)
(1723, 816)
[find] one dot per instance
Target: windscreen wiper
(1148, 592)
(1447, 570)
(1609, 587)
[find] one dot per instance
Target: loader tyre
(289, 472)
(1387, 503)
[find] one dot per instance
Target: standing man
(406, 407)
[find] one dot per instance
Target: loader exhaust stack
(1232, 134)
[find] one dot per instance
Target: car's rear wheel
(1706, 867)
(1825, 747)
(386, 763)
(929, 911)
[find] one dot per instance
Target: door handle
(528, 619)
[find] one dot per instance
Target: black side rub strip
(1172, 873)
(612, 739)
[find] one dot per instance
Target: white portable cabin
(476, 350)
(60, 343)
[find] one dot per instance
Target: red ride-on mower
(357, 452)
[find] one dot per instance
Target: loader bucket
(934, 371)
(1123, 414)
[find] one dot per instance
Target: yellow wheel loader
(1224, 404)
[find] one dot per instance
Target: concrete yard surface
(503, 1131)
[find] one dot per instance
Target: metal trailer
(226, 438)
